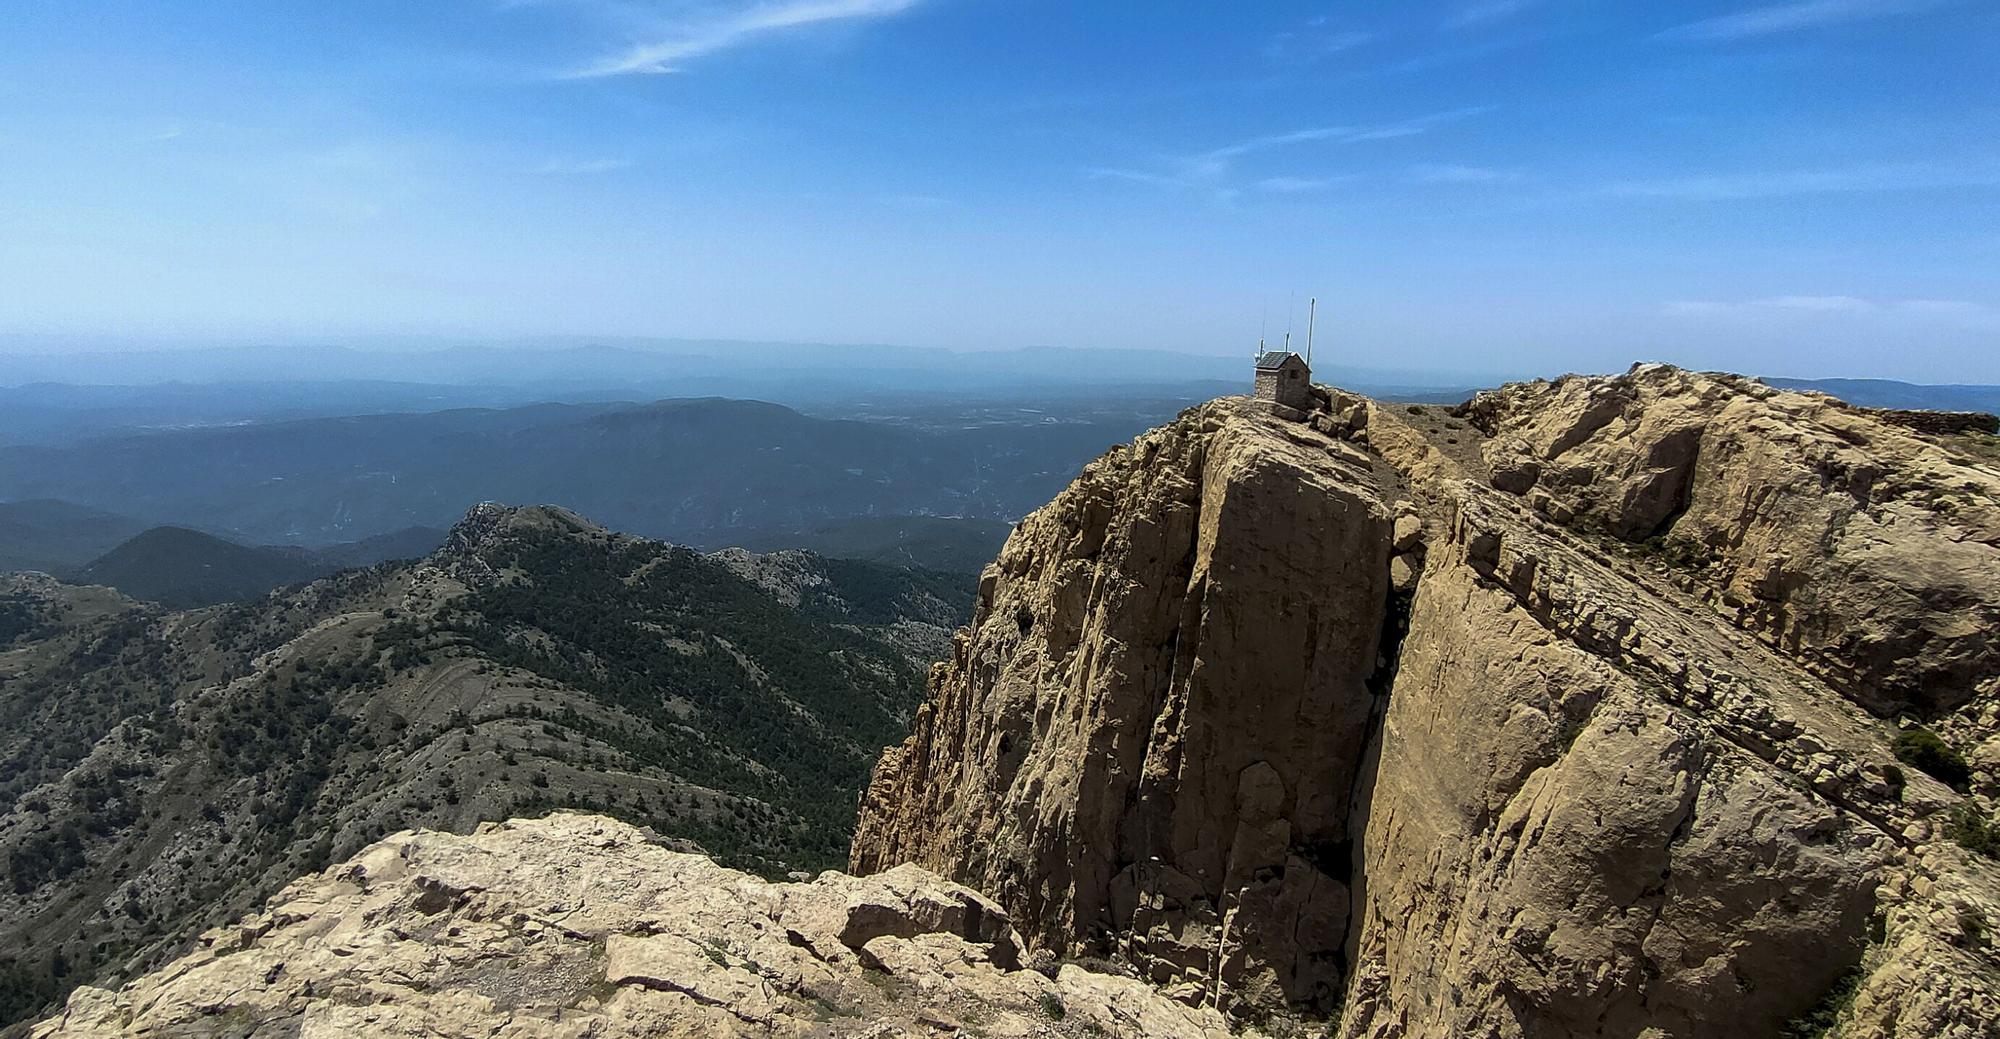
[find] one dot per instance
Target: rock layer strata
(1565, 714)
(1150, 734)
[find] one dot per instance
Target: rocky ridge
(578, 926)
(1567, 713)
(162, 772)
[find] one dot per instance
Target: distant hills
(1886, 393)
(181, 568)
(799, 373)
(915, 478)
(57, 536)
(177, 567)
(704, 472)
(928, 542)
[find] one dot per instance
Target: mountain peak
(490, 520)
(473, 550)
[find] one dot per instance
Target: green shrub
(1972, 924)
(1896, 780)
(1973, 831)
(1052, 1006)
(1921, 748)
(1824, 1014)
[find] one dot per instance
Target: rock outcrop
(578, 926)
(1148, 738)
(1863, 549)
(1568, 713)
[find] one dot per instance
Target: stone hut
(1283, 377)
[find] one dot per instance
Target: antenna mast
(1312, 313)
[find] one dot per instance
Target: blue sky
(1506, 186)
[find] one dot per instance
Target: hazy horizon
(1523, 187)
(27, 360)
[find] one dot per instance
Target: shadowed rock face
(1557, 716)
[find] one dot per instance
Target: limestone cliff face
(1149, 735)
(1571, 833)
(1568, 714)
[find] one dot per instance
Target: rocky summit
(1659, 705)
(577, 926)
(1585, 709)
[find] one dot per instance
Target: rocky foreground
(578, 926)
(1569, 712)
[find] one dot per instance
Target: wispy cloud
(582, 167)
(1221, 193)
(917, 203)
(1794, 17)
(1817, 304)
(1302, 185)
(1158, 180)
(1443, 173)
(698, 38)
(1336, 135)
(1459, 55)
(1487, 12)
(1948, 307)
(1212, 170)
(1317, 39)
(1727, 187)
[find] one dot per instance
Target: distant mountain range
(704, 472)
(283, 484)
(1886, 393)
(927, 542)
(57, 536)
(176, 566)
(793, 372)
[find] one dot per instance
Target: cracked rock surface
(578, 926)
